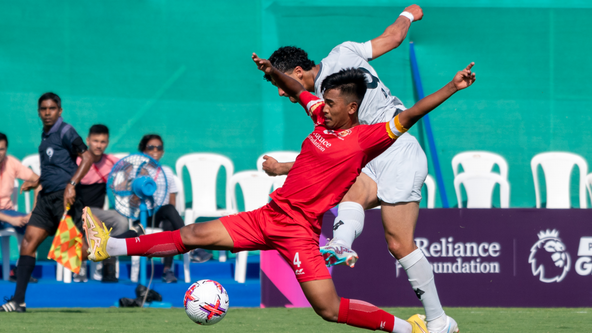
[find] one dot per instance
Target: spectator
(59, 148)
(167, 218)
(11, 169)
(93, 191)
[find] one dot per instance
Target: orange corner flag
(66, 247)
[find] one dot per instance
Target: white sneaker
(450, 327)
(335, 253)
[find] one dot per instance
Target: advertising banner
(480, 257)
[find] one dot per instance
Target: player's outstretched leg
(210, 235)
(399, 224)
(349, 222)
(322, 296)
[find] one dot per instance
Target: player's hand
(464, 78)
(416, 11)
(29, 185)
(262, 64)
(18, 221)
(69, 196)
(270, 165)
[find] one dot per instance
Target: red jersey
(328, 164)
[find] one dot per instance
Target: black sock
(24, 270)
(168, 262)
(127, 234)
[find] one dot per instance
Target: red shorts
(270, 228)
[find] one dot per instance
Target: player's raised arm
(395, 34)
(279, 79)
(461, 80)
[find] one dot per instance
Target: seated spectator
(11, 169)
(93, 192)
(167, 218)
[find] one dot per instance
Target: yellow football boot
(97, 236)
(418, 325)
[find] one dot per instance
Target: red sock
(364, 315)
(160, 244)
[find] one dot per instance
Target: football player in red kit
(331, 158)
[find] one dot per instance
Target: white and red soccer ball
(206, 302)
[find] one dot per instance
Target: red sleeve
(374, 139)
(313, 106)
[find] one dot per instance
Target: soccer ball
(206, 302)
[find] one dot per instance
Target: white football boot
(450, 327)
(336, 253)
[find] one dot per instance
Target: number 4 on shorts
(297, 260)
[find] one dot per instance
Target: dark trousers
(168, 219)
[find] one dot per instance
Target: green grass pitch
(282, 320)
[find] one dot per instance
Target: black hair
(350, 81)
(98, 129)
(286, 58)
(146, 138)
(52, 96)
(3, 137)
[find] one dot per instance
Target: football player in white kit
(394, 179)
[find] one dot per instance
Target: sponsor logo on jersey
(299, 271)
(548, 258)
(340, 135)
(319, 142)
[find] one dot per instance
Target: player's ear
(352, 108)
(299, 72)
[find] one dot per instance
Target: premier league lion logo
(549, 258)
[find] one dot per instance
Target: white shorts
(400, 171)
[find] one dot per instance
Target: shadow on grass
(57, 311)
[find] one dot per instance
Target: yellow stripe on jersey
(314, 107)
(389, 131)
(394, 128)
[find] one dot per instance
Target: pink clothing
(10, 169)
(99, 172)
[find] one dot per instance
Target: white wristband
(408, 15)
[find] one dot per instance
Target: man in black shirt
(59, 148)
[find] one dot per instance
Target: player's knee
(328, 314)
(399, 249)
(189, 234)
(27, 248)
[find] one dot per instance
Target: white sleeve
(362, 50)
(170, 179)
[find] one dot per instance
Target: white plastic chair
(589, 185)
(180, 206)
(282, 157)
(120, 155)
(431, 191)
(180, 201)
(31, 161)
(479, 188)
(557, 167)
(5, 239)
(479, 162)
(5, 236)
(203, 171)
(256, 186)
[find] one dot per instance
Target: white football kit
(401, 170)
